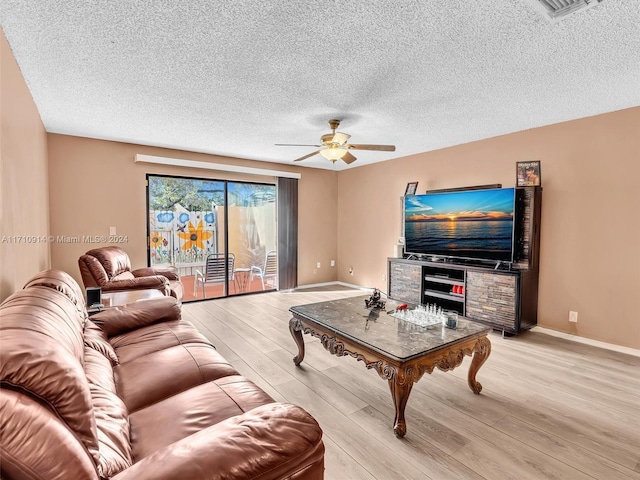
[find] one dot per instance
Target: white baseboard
(587, 341)
(358, 287)
(314, 285)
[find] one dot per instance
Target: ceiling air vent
(556, 10)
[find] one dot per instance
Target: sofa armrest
(117, 320)
(155, 282)
(272, 441)
(168, 271)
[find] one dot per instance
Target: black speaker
(94, 296)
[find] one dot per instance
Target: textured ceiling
(235, 77)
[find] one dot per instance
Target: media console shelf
(444, 287)
(504, 298)
(495, 297)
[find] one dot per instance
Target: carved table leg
(296, 333)
(481, 350)
(400, 390)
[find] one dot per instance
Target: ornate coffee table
(400, 351)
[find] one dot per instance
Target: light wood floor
(549, 408)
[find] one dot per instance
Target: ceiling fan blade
(384, 148)
(307, 156)
(340, 138)
(348, 158)
(295, 145)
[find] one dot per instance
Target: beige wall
(95, 185)
(24, 193)
(590, 234)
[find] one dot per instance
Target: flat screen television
(468, 224)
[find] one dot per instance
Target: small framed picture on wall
(528, 174)
(412, 187)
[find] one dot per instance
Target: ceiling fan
(333, 146)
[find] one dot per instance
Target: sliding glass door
(252, 235)
(221, 235)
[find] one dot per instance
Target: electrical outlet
(318, 265)
(112, 231)
(333, 263)
(573, 316)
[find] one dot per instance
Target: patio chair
(268, 273)
(214, 271)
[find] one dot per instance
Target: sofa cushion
(36, 445)
(63, 283)
(177, 289)
(272, 441)
(112, 423)
(98, 369)
(92, 271)
(169, 271)
(123, 276)
(112, 418)
(96, 339)
(159, 336)
(159, 375)
(113, 259)
(188, 412)
(117, 320)
(31, 310)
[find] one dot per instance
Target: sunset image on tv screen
(467, 224)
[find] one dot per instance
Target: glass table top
(380, 331)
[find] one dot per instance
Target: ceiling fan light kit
(334, 146)
(333, 153)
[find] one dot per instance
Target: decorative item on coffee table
(375, 300)
(422, 315)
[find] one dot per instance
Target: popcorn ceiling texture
(234, 77)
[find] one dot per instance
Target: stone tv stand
(503, 296)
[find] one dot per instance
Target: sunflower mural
(159, 250)
(155, 239)
(195, 237)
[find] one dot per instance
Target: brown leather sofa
(134, 392)
(110, 268)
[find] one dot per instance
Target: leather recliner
(110, 269)
(134, 392)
